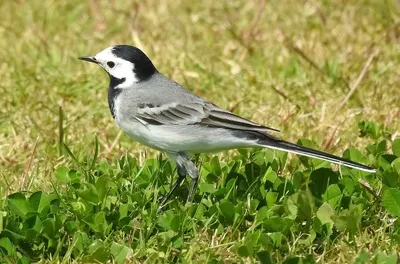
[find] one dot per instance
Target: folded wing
(195, 113)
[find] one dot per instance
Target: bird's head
(126, 65)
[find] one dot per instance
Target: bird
(158, 112)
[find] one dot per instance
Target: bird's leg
(192, 189)
(181, 177)
(182, 159)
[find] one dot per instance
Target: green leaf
(120, 252)
(364, 257)
(62, 174)
(382, 258)
(24, 260)
(390, 178)
(306, 161)
(90, 194)
(369, 129)
(349, 220)
(321, 179)
(277, 224)
(207, 188)
(49, 228)
(299, 260)
(271, 198)
(391, 201)
(396, 147)
(303, 203)
(325, 213)
(33, 222)
(243, 251)
(38, 201)
(7, 246)
(265, 257)
(169, 221)
(270, 176)
(396, 165)
(353, 155)
(216, 167)
(228, 210)
(18, 204)
(101, 187)
(98, 252)
(177, 242)
(262, 214)
(276, 239)
(333, 195)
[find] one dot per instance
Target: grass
(313, 69)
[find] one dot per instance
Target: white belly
(188, 138)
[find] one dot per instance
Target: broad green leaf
(270, 176)
(38, 201)
(308, 239)
(324, 213)
(228, 210)
(396, 165)
(277, 224)
(216, 166)
(306, 161)
(276, 239)
(24, 260)
(303, 203)
(353, 155)
(175, 223)
(265, 257)
(391, 178)
(253, 206)
(18, 204)
(177, 242)
(391, 201)
(382, 258)
(101, 187)
(120, 252)
(7, 246)
(207, 188)
(369, 129)
(300, 260)
(348, 183)
(381, 147)
(243, 251)
(262, 214)
(49, 228)
(396, 147)
(321, 179)
(98, 252)
(169, 221)
(90, 194)
(123, 211)
(364, 257)
(62, 174)
(333, 195)
(33, 222)
(349, 220)
(271, 198)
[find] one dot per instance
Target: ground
(313, 69)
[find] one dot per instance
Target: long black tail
(290, 147)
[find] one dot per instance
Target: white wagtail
(158, 112)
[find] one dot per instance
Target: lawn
(74, 189)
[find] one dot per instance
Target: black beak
(88, 58)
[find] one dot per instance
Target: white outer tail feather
(303, 151)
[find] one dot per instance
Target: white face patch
(122, 69)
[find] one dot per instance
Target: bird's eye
(110, 64)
